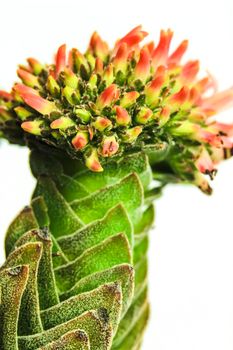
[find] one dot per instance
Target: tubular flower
(106, 101)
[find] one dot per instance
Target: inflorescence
(107, 102)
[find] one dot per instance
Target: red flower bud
(60, 60)
(80, 140)
(160, 54)
(129, 98)
(108, 96)
(122, 116)
(32, 127)
(132, 38)
(142, 68)
(109, 146)
(28, 78)
(92, 161)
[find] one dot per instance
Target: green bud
(83, 114)
(71, 79)
(32, 127)
(183, 128)
(93, 81)
(62, 123)
(36, 66)
(91, 60)
(129, 98)
(102, 123)
(4, 114)
(22, 112)
(92, 161)
(53, 86)
(79, 60)
(108, 74)
(132, 134)
(71, 95)
(144, 115)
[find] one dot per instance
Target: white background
(191, 253)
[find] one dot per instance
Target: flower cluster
(106, 102)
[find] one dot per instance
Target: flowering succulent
(76, 274)
(106, 103)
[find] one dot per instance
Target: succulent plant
(107, 129)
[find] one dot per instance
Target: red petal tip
(5, 96)
(134, 37)
(160, 54)
(23, 89)
(142, 68)
(60, 59)
(109, 95)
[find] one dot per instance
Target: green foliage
(75, 276)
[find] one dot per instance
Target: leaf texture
(75, 276)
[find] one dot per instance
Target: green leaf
(70, 188)
(74, 340)
(23, 222)
(140, 248)
(29, 317)
(113, 251)
(141, 273)
(153, 194)
(48, 295)
(12, 285)
(42, 163)
(63, 220)
(94, 323)
(131, 318)
(116, 220)
(107, 296)
(115, 171)
(41, 211)
(70, 167)
(146, 221)
(123, 274)
(59, 257)
(129, 192)
(134, 337)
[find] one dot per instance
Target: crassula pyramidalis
(101, 126)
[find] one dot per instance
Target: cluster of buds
(97, 104)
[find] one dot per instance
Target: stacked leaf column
(76, 270)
